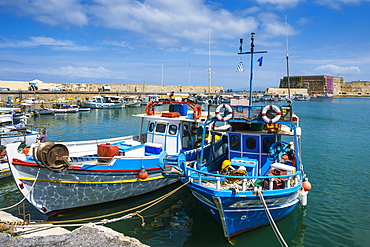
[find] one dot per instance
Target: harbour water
(334, 150)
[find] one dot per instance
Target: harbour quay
(47, 88)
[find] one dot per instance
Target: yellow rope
(151, 204)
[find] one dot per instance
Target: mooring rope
(103, 221)
(25, 196)
(272, 222)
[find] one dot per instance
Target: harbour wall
(20, 90)
(127, 88)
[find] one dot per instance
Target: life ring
(228, 108)
(197, 111)
(271, 120)
(150, 108)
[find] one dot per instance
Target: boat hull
(28, 139)
(95, 105)
(238, 214)
(4, 170)
(52, 192)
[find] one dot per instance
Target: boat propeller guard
(52, 156)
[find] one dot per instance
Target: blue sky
(126, 41)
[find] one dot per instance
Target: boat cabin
(170, 135)
(255, 147)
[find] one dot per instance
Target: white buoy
(303, 197)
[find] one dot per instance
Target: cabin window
(250, 143)
(151, 127)
(235, 142)
(161, 128)
(267, 142)
(172, 130)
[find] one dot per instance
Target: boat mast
(252, 67)
(189, 77)
(287, 55)
(209, 64)
(162, 76)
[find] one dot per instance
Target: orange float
(306, 185)
(149, 110)
(26, 151)
(197, 111)
(143, 174)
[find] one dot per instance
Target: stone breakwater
(83, 236)
(87, 235)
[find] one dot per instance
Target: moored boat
(63, 108)
(259, 179)
(104, 102)
(10, 133)
(43, 111)
(56, 177)
(132, 101)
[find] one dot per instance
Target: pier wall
(46, 91)
(87, 87)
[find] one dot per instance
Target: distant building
(315, 84)
(359, 88)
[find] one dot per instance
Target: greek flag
(240, 67)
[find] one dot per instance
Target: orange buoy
(26, 151)
(143, 174)
(149, 110)
(197, 111)
(306, 185)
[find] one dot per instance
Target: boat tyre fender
(197, 111)
(267, 117)
(228, 108)
(149, 110)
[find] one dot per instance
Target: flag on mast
(240, 67)
(260, 61)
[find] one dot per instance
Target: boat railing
(243, 112)
(214, 180)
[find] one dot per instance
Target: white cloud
(337, 4)
(169, 21)
(68, 71)
(281, 3)
(331, 69)
(52, 12)
(45, 41)
(163, 21)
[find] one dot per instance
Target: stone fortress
(332, 85)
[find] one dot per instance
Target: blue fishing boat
(55, 177)
(258, 178)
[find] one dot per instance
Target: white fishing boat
(55, 177)
(10, 133)
(132, 101)
(104, 102)
(63, 108)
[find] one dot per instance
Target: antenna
(252, 67)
